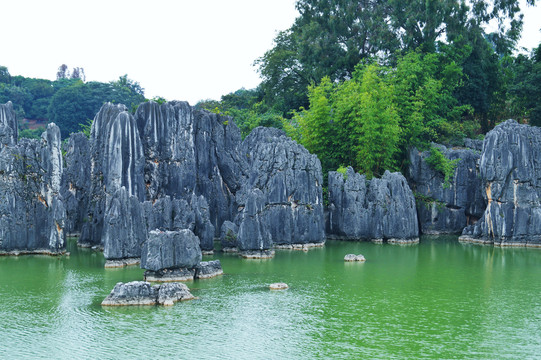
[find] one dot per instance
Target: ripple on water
(438, 300)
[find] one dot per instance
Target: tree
(5, 77)
(525, 87)
(75, 104)
(63, 72)
(246, 108)
(330, 37)
(134, 86)
(78, 73)
(370, 121)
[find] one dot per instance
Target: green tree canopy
(330, 37)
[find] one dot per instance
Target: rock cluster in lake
(510, 170)
(447, 208)
(162, 184)
(32, 214)
(143, 293)
(382, 209)
(172, 168)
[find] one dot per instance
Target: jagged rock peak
(32, 214)
(116, 161)
(510, 168)
(167, 136)
(379, 210)
(8, 125)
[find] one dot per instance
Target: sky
(177, 49)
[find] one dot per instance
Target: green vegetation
(246, 108)
(440, 163)
(31, 133)
(67, 101)
(360, 84)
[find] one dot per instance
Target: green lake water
(437, 299)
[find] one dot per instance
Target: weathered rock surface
(116, 161)
(167, 134)
(510, 169)
(447, 209)
(220, 166)
(208, 269)
(191, 152)
(228, 235)
(278, 286)
(379, 209)
(124, 229)
(32, 214)
(76, 182)
(203, 227)
(353, 257)
(281, 201)
(253, 231)
(8, 125)
(170, 249)
(170, 275)
(142, 293)
(474, 144)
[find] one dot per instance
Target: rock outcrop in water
(447, 209)
(281, 201)
(32, 214)
(143, 293)
(171, 255)
(378, 210)
(208, 269)
(510, 169)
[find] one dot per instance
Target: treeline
(359, 83)
(68, 101)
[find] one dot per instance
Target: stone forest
(158, 187)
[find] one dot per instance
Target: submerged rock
(447, 208)
(208, 269)
(142, 293)
(353, 257)
(257, 254)
(32, 214)
(510, 168)
(379, 209)
(278, 286)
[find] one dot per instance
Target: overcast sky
(180, 50)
